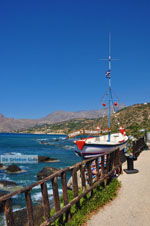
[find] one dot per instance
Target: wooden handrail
(108, 165)
(46, 179)
(138, 146)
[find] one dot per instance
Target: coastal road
(132, 205)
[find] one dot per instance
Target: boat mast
(108, 76)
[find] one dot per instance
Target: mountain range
(134, 118)
(11, 124)
(138, 114)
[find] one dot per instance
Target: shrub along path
(132, 206)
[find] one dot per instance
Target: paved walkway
(132, 206)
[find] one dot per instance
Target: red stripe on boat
(80, 144)
(121, 141)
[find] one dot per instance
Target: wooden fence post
(83, 180)
(75, 184)
(56, 194)
(102, 166)
(56, 197)
(29, 208)
(89, 173)
(97, 169)
(107, 168)
(65, 195)
(64, 188)
(45, 199)
(8, 212)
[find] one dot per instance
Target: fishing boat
(101, 144)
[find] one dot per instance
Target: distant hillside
(11, 124)
(133, 118)
(60, 116)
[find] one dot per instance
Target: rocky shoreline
(10, 186)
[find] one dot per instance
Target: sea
(53, 146)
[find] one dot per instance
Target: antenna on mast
(109, 56)
(109, 59)
(109, 43)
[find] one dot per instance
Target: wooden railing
(138, 146)
(92, 173)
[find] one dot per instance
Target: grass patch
(100, 197)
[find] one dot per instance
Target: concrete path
(132, 206)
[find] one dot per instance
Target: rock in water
(5, 183)
(46, 159)
(1, 165)
(45, 172)
(13, 169)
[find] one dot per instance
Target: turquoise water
(54, 146)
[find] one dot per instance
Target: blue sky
(49, 53)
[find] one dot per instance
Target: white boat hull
(93, 147)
